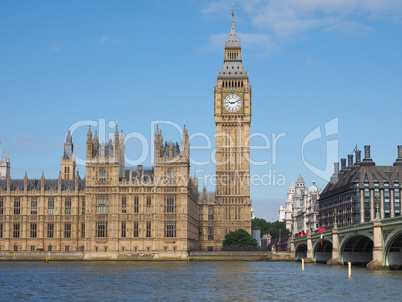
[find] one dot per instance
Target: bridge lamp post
(377, 205)
(335, 224)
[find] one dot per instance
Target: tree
(269, 227)
(239, 238)
(262, 225)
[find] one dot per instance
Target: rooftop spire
(232, 40)
(232, 63)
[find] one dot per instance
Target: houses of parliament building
(159, 212)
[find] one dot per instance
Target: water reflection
(160, 281)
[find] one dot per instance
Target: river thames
(195, 281)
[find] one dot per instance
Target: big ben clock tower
(232, 110)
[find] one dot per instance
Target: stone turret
(158, 144)
(42, 182)
(122, 155)
(5, 166)
(68, 164)
(89, 144)
(26, 182)
(185, 144)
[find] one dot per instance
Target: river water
(193, 281)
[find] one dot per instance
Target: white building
(301, 210)
(4, 166)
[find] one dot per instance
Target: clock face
(232, 102)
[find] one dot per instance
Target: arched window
(170, 176)
(102, 175)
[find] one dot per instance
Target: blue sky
(138, 62)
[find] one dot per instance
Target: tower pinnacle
(232, 67)
(232, 40)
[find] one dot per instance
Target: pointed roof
(233, 40)
(69, 138)
(96, 139)
(300, 179)
(232, 63)
(89, 134)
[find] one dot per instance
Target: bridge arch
(393, 249)
(301, 251)
(356, 248)
(322, 250)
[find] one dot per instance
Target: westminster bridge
(378, 244)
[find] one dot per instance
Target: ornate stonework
(154, 211)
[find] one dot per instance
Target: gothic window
(1, 206)
(135, 229)
(170, 176)
(33, 230)
(123, 229)
(102, 175)
(101, 205)
(148, 229)
(210, 233)
(1, 230)
(67, 209)
(101, 229)
(149, 208)
(50, 230)
(170, 229)
(123, 205)
(50, 207)
(170, 204)
(17, 205)
(67, 230)
(83, 206)
(200, 213)
(83, 230)
(199, 233)
(210, 213)
(135, 204)
(66, 172)
(16, 230)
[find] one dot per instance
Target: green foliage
(269, 227)
(239, 238)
